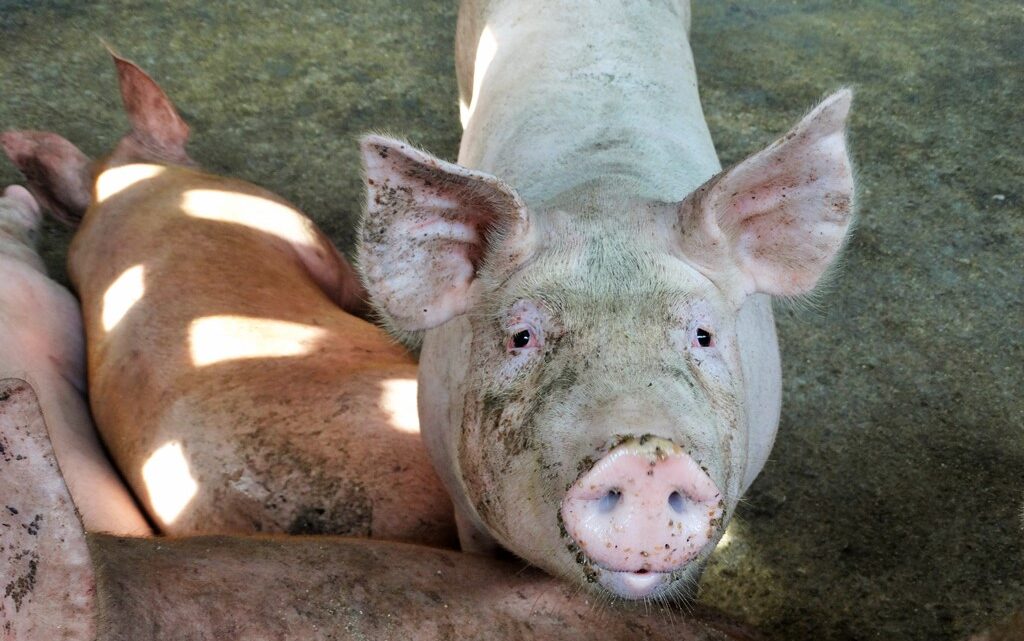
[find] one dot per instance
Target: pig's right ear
(58, 174)
(426, 231)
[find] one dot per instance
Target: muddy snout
(645, 507)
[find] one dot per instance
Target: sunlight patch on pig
(727, 537)
(399, 401)
(485, 50)
(252, 211)
(122, 295)
(215, 339)
(114, 181)
(169, 481)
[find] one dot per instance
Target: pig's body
(65, 584)
(43, 344)
(600, 376)
(232, 392)
(594, 117)
(292, 415)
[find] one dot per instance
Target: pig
(234, 391)
(43, 343)
(599, 376)
(64, 583)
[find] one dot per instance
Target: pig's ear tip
(376, 139)
(12, 142)
(110, 49)
(838, 103)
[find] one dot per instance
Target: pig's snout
(645, 508)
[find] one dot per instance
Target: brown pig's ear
(427, 227)
(778, 218)
(58, 173)
(158, 132)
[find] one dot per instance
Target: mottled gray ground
(891, 508)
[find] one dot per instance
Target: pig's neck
(559, 93)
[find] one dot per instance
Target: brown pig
(232, 390)
(64, 584)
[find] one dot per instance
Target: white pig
(599, 378)
(43, 344)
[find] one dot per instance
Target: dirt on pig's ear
(58, 174)
(159, 134)
(427, 229)
(779, 218)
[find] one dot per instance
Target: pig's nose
(646, 506)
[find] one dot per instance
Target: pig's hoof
(46, 578)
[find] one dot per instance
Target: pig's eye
(523, 337)
(704, 338)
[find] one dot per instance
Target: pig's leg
(314, 588)
(45, 569)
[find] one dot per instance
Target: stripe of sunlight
(485, 50)
(252, 211)
(169, 482)
(115, 180)
(215, 339)
(398, 399)
(122, 295)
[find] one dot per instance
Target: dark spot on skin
(356, 519)
(4, 396)
(21, 587)
(433, 596)
(33, 527)
(12, 510)
(484, 509)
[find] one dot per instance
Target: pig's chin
(635, 585)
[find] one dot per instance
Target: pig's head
(591, 411)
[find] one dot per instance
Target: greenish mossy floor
(891, 508)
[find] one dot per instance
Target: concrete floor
(892, 506)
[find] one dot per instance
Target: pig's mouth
(641, 584)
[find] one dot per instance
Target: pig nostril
(675, 501)
(609, 501)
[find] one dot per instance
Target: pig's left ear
(427, 227)
(58, 173)
(781, 215)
